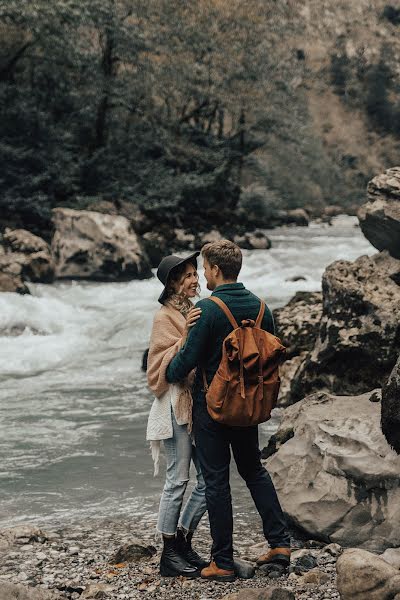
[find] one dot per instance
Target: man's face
(209, 274)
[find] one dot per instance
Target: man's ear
(216, 270)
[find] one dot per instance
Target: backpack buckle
(247, 323)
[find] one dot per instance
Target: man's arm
(193, 351)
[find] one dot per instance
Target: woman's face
(188, 283)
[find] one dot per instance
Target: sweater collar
(229, 286)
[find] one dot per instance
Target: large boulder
(297, 325)
(24, 257)
(96, 246)
(365, 576)
(380, 217)
(336, 476)
(359, 334)
(390, 416)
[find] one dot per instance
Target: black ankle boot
(172, 564)
(184, 547)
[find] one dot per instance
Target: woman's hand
(192, 317)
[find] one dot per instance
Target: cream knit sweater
(167, 338)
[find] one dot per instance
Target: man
(203, 349)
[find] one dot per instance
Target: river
(74, 402)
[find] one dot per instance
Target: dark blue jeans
(213, 444)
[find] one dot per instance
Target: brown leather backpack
(245, 387)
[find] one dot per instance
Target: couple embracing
(186, 349)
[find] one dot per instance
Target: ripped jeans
(179, 451)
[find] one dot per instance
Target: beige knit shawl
(167, 338)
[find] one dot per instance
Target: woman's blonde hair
(180, 301)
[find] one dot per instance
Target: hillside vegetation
(189, 110)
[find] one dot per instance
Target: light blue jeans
(179, 451)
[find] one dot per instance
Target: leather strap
(226, 310)
(260, 314)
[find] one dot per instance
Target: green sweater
(203, 347)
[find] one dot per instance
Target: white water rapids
(73, 400)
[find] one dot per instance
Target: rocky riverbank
(119, 560)
(117, 242)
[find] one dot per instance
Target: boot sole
(220, 578)
(279, 559)
(171, 573)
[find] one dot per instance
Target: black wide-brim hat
(168, 264)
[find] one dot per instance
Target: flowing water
(74, 402)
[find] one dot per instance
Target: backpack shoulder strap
(260, 314)
(225, 309)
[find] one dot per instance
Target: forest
(168, 105)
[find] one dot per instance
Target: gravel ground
(75, 561)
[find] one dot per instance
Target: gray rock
(392, 556)
(314, 577)
(303, 563)
(272, 570)
(133, 551)
(27, 255)
(20, 535)
(208, 237)
(24, 257)
(297, 323)
(297, 216)
(97, 591)
(359, 334)
(336, 477)
(365, 576)
(390, 407)
(9, 281)
(243, 568)
(10, 591)
(380, 217)
(255, 240)
(95, 246)
(333, 549)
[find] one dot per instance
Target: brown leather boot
(214, 573)
(277, 556)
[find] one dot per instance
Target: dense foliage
(179, 108)
(149, 101)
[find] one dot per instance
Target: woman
(170, 418)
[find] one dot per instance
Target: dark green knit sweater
(203, 348)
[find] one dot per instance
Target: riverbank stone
(133, 551)
(96, 246)
(390, 416)
(243, 568)
(358, 340)
(11, 591)
(380, 217)
(362, 575)
(21, 535)
(336, 476)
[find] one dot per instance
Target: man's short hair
(226, 255)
